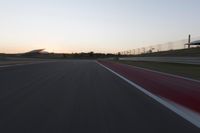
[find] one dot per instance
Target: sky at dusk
(94, 25)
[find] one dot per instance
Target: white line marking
(173, 107)
(193, 114)
(14, 65)
(23, 64)
(163, 73)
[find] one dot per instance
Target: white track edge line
(22, 64)
(158, 99)
(193, 114)
(2, 66)
(164, 73)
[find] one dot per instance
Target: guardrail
(183, 60)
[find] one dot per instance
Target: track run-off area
(83, 96)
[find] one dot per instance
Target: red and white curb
(184, 112)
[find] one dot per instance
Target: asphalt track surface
(79, 97)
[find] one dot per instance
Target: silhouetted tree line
(82, 55)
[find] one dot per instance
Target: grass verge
(185, 70)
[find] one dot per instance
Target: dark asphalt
(79, 97)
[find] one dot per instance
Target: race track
(79, 96)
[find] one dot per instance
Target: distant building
(35, 52)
